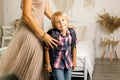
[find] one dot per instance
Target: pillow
(80, 32)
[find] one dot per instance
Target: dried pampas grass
(109, 22)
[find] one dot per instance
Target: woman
(24, 55)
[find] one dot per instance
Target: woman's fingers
(50, 44)
(54, 42)
(50, 41)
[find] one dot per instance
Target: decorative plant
(109, 22)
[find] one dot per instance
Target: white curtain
(63, 5)
(89, 4)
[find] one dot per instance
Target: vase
(111, 37)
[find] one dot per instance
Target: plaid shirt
(63, 57)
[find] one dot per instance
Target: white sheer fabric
(63, 5)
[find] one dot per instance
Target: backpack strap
(73, 35)
(54, 33)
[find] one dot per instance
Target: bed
(85, 49)
(85, 60)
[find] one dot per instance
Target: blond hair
(57, 14)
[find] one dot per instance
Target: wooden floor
(106, 70)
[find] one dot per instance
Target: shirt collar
(68, 32)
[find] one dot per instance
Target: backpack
(55, 34)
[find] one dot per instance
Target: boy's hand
(48, 68)
(74, 65)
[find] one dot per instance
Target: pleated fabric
(24, 55)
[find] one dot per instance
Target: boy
(61, 59)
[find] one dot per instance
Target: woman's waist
(24, 23)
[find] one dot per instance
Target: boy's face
(61, 23)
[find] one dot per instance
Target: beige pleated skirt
(24, 56)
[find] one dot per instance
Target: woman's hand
(48, 68)
(49, 40)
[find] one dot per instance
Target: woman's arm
(27, 16)
(48, 11)
(32, 24)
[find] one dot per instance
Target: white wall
(12, 11)
(1, 12)
(113, 8)
(84, 16)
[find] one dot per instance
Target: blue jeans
(62, 74)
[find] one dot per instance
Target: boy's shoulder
(54, 32)
(52, 29)
(71, 30)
